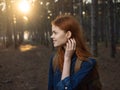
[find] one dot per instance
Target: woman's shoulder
(52, 57)
(89, 62)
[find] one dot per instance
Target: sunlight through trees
(35, 16)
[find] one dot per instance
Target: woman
(64, 73)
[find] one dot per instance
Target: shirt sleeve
(50, 75)
(71, 82)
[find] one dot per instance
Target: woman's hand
(70, 48)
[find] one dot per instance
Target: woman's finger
(74, 44)
(69, 43)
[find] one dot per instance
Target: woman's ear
(68, 34)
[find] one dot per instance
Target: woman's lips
(54, 41)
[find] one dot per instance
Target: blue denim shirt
(71, 82)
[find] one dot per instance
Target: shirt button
(66, 88)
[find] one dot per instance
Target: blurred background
(25, 43)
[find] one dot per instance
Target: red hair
(69, 23)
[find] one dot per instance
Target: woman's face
(58, 36)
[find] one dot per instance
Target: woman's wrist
(67, 61)
(67, 58)
(66, 68)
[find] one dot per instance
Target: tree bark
(111, 28)
(94, 25)
(80, 11)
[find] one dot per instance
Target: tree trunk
(102, 20)
(9, 27)
(94, 10)
(80, 11)
(115, 21)
(111, 28)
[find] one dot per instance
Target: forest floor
(26, 68)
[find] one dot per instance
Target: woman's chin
(55, 45)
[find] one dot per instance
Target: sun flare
(24, 6)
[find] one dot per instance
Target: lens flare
(24, 6)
